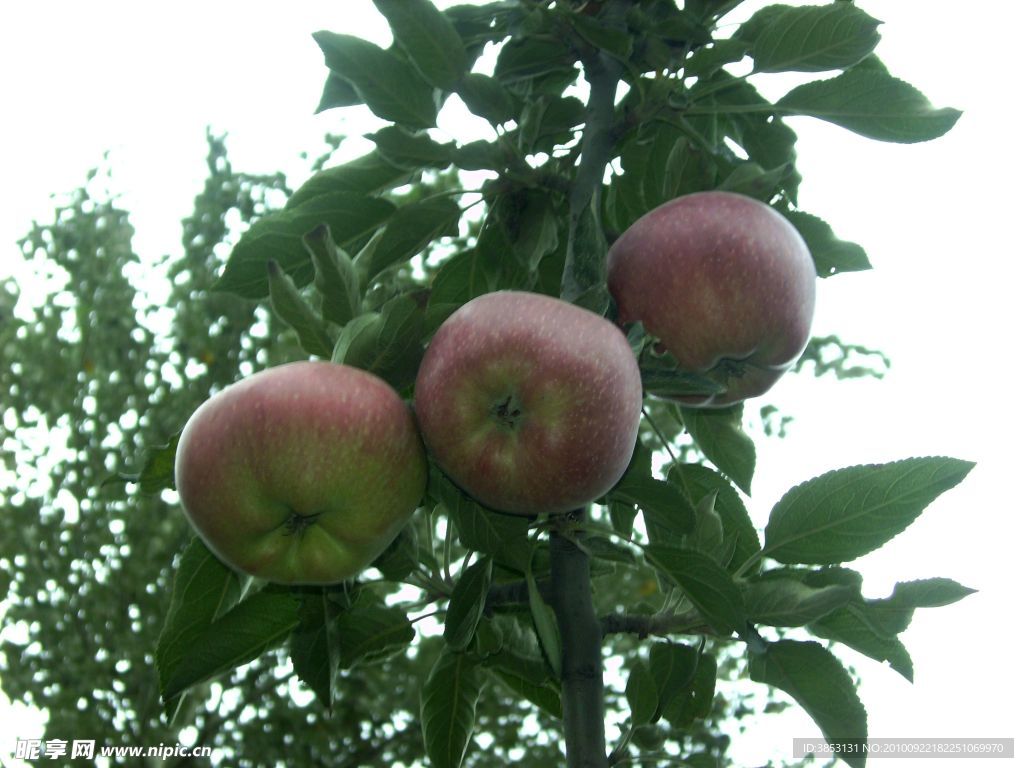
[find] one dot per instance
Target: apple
(528, 403)
(724, 282)
(302, 473)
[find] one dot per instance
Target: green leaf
(544, 624)
(486, 97)
(335, 277)
(696, 700)
(428, 38)
(584, 278)
(204, 590)
(546, 696)
(157, 471)
(467, 604)
(642, 695)
(504, 537)
(892, 615)
(369, 631)
(532, 226)
(412, 228)
(531, 57)
(784, 602)
(616, 42)
(479, 156)
(258, 623)
(463, 277)
(752, 180)
(813, 39)
(401, 556)
(289, 305)
(278, 236)
(873, 104)
(852, 626)
(847, 513)
(708, 533)
(819, 683)
(708, 60)
(338, 92)
(668, 514)
(392, 89)
(411, 150)
(448, 708)
(313, 647)
(697, 481)
(719, 435)
(831, 255)
(669, 381)
(705, 583)
(365, 175)
(674, 667)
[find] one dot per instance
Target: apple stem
(582, 674)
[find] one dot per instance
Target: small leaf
(544, 623)
(668, 514)
(697, 481)
(813, 39)
(791, 603)
(708, 534)
(335, 277)
(412, 228)
(314, 649)
(401, 557)
(479, 156)
(411, 150)
(831, 255)
(391, 88)
(338, 92)
(289, 305)
(258, 623)
(696, 701)
(467, 604)
(642, 695)
(369, 631)
(546, 696)
(706, 584)
(429, 39)
(719, 435)
(462, 277)
(673, 666)
(852, 626)
(530, 57)
(365, 175)
(486, 97)
(819, 683)
(157, 471)
(448, 708)
(278, 236)
(847, 513)
(873, 104)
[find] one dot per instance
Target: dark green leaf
(289, 305)
(525, 59)
(705, 583)
(478, 156)
(847, 513)
(259, 622)
(391, 88)
(752, 180)
(872, 104)
(448, 708)
(893, 614)
(467, 604)
(617, 42)
(363, 176)
(369, 631)
(531, 225)
(673, 666)
(504, 537)
(314, 649)
(357, 342)
(401, 557)
(583, 281)
(204, 590)
(791, 603)
(463, 277)
(831, 255)
(278, 236)
(819, 683)
(157, 471)
(708, 534)
(411, 150)
(412, 228)
(719, 435)
(544, 624)
(708, 60)
(668, 514)
(338, 92)
(698, 481)
(486, 97)
(642, 695)
(335, 277)
(813, 38)
(697, 699)
(546, 696)
(429, 39)
(852, 626)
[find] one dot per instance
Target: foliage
(360, 265)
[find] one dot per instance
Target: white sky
(940, 222)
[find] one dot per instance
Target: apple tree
(514, 586)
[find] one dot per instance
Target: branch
(581, 633)
(689, 623)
